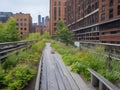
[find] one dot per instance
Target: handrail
(110, 55)
(8, 47)
(97, 43)
(103, 83)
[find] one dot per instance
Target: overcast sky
(34, 7)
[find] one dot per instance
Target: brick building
(39, 29)
(57, 12)
(94, 20)
(24, 23)
(109, 21)
(47, 25)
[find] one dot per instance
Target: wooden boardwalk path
(55, 75)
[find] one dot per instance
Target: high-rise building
(43, 21)
(57, 12)
(4, 16)
(47, 21)
(94, 20)
(24, 23)
(39, 19)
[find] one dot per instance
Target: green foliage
(8, 31)
(22, 55)
(80, 61)
(112, 76)
(63, 34)
(69, 59)
(19, 77)
(10, 62)
(38, 47)
(34, 36)
(2, 74)
(46, 35)
(18, 69)
(2, 31)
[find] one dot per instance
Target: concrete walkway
(56, 76)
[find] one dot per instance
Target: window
(54, 3)
(21, 28)
(119, 10)
(55, 13)
(59, 3)
(111, 13)
(25, 29)
(103, 8)
(118, 1)
(21, 32)
(103, 0)
(111, 2)
(55, 24)
(96, 5)
(25, 19)
(59, 11)
(103, 17)
(17, 24)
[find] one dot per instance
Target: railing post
(80, 46)
(94, 81)
(109, 59)
(101, 86)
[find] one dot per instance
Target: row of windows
(21, 19)
(111, 13)
(55, 3)
(55, 12)
(22, 29)
(109, 33)
(111, 2)
(21, 24)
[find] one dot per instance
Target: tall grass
(81, 60)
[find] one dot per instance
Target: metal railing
(8, 48)
(112, 50)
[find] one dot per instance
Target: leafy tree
(46, 35)
(11, 33)
(63, 34)
(1, 32)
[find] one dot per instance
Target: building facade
(57, 12)
(38, 29)
(94, 20)
(47, 27)
(24, 24)
(109, 21)
(4, 16)
(39, 20)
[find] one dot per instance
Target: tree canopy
(8, 31)
(63, 34)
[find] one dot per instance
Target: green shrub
(19, 77)
(69, 59)
(22, 55)
(11, 61)
(112, 76)
(2, 74)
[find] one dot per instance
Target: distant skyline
(34, 7)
